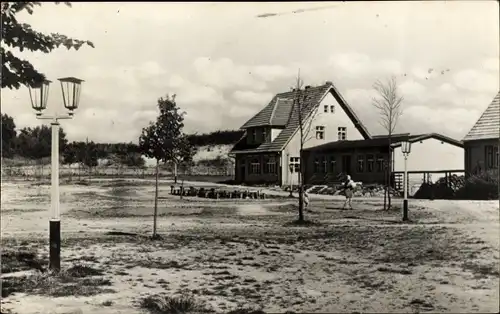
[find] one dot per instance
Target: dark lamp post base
(405, 210)
(55, 245)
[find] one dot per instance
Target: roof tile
(488, 125)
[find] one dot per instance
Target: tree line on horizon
(35, 143)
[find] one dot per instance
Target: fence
(37, 172)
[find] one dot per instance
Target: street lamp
(290, 167)
(39, 94)
(405, 149)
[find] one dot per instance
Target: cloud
(414, 91)
(250, 97)
(491, 64)
(455, 122)
(224, 74)
(225, 65)
(419, 73)
(356, 64)
(475, 80)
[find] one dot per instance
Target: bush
(482, 186)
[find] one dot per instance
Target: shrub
(482, 186)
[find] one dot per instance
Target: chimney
(308, 86)
(328, 83)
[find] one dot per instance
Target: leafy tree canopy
(15, 34)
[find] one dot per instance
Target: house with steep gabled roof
(269, 151)
(482, 141)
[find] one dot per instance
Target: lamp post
(405, 149)
(39, 94)
(290, 167)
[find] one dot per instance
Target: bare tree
(305, 114)
(388, 104)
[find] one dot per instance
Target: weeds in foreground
(302, 223)
(161, 304)
(172, 305)
(19, 260)
(78, 280)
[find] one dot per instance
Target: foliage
(226, 137)
(132, 160)
(8, 136)
(35, 143)
(163, 140)
(17, 35)
(482, 186)
(85, 153)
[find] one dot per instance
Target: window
(333, 165)
(324, 169)
(316, 166)
(264, 135)
(342, 133)
(332, 108)
(380, 163)
(270, 166)
(369, 163)
(361, 163)
(491, 155)
(320, 132)
(295, 162)
(325, 109)
(255, 166)
(254, 135)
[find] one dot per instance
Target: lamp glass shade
(406, 147)
(71, 89)
(39, 95)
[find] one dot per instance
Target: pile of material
(215, 193)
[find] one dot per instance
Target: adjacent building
(482, 142)
(367, 160)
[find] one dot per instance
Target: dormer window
(264, 135)
(254, 135)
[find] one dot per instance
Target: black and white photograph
(250, 157)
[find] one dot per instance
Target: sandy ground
(231, 253)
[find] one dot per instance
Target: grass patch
(482, 270)
(246, 311)
(302, 223)
(157, 304)
(78, 280)
(14, 261)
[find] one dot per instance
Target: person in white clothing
(306, 200)
(349, 187)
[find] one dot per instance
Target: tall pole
(55, 220)
(405, 200)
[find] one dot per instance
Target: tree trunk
(301, 189)
(155, 215)
(175, 172)
(385, 190)
(389, 186)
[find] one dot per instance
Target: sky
(225, 64)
